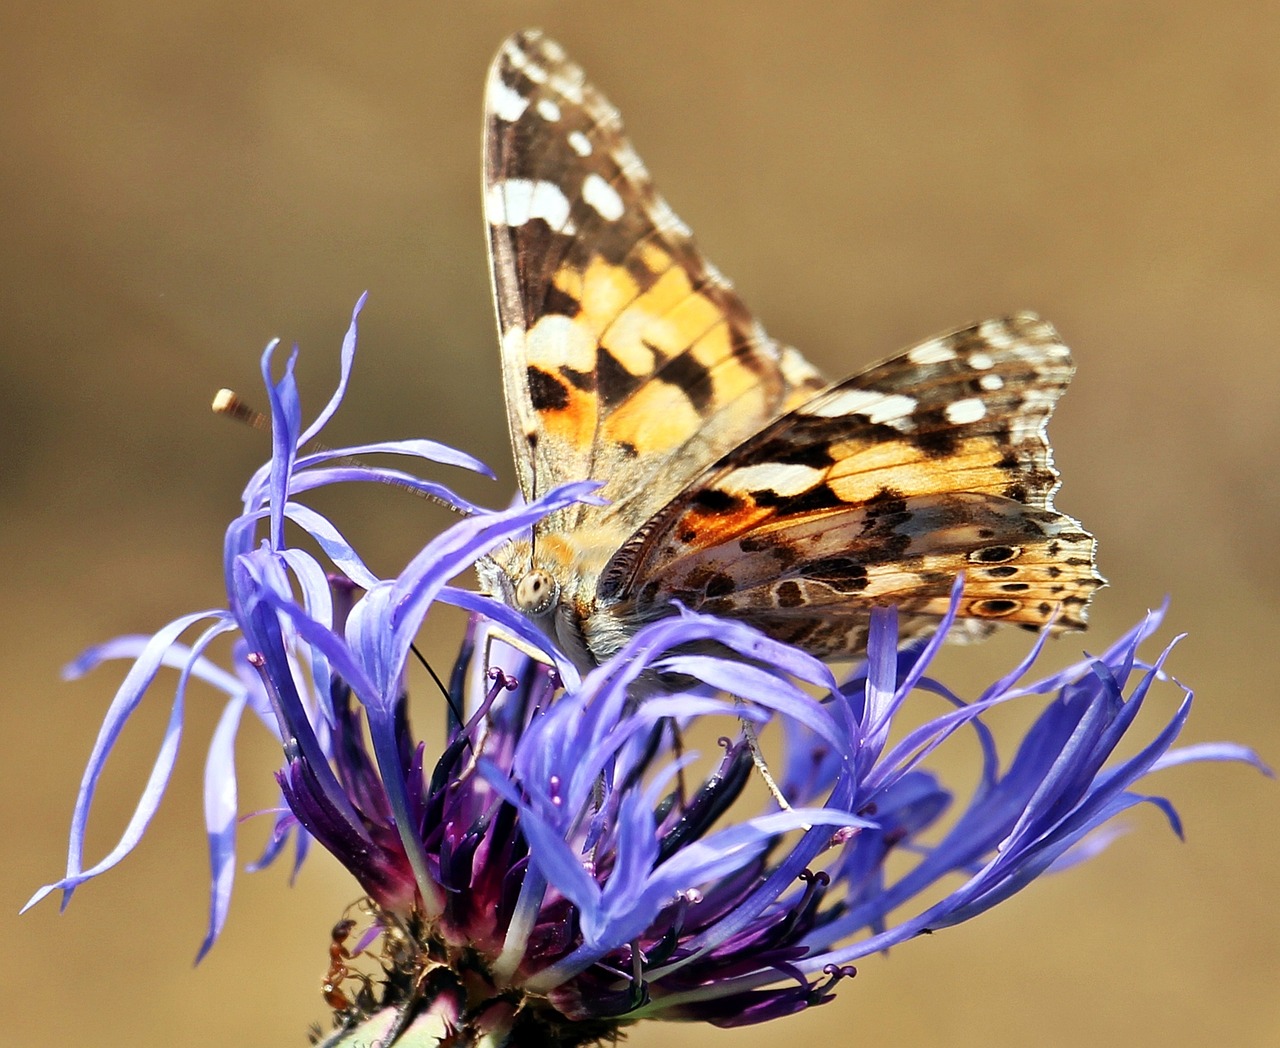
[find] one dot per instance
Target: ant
(338, 972)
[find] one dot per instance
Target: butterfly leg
(758, 758)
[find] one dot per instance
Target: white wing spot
(795, 369)
(506, 102)
(714, 276)
(628, 161)
(937, 352)
(557, 341)
(996, 333)
(780, 478)
(970, 409)
(548, 110)
(892, 409)
(603, 197)
(523, 61)
(667, 220)
(513, 340)
(991, 382)
(568, 82)
(579, 143)
(981, 361)
(515, 201)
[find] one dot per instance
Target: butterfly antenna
(677, 749)
(227, 402)
(533, 528)
(448, 696)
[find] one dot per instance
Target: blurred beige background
(179, 182)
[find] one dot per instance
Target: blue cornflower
(567, 864)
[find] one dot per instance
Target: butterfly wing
(626, 357)
(881, 490)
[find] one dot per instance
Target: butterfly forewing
(626, 356)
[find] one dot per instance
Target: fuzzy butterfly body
(736, 480)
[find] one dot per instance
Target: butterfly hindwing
(881, 490)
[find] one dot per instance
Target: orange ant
(338, 972)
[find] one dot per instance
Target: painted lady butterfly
(738, 481)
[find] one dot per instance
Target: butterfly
(737, 481)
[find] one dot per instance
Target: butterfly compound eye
(536, 592)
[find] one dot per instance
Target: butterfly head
(502, 572)
(552, 582)
(528, 579)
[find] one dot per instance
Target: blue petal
(286, 422)
(127, 698)
(415, 447)
(347, 359)
(221, 807)
(1213, 751)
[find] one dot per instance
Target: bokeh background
(179, 182)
